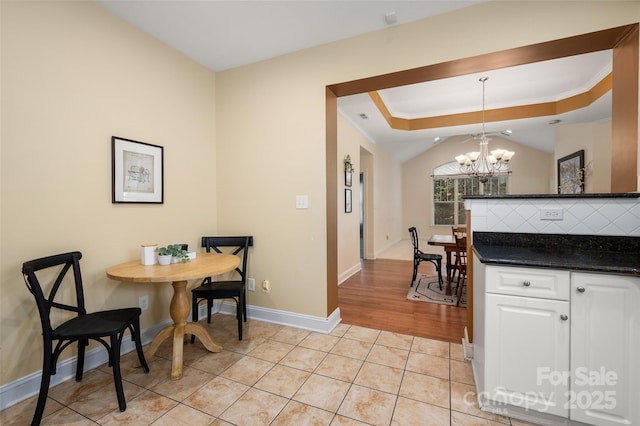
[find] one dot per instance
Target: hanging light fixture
(483, 164)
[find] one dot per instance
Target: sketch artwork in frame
(137, 171)
(347, 201)
(571, 173)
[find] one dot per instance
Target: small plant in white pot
(172, 253)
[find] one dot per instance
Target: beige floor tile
(296, 413)
(429, 389)
(248, 370)
(516, 422)
(244, 346)
(216, 396)
(380, 377)
(184, 415)
(340, 330)
(395, 340)
(216, 363)
(346, 421)
(430, 347)
(412, 412)
(339, 367)
(290, 335)
(101, 402)
(22, 412)
(191, 381)
(262, 329)
(391, 357)
(368, 405)
(461, 419)
(143, 410)
(427, 364)
(255, 407)
(70, 390)
(464, 399)
(461, 372)
(282, 380)
(362, 333)
(66, 417)
(159, 370)
(456, 351)
(271, 350)
(303, 359)
(322, 392)
(220, 422)
(352, 348)
(319, 342)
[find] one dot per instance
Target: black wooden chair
(98, 326)
(420, 256)
(235, 289)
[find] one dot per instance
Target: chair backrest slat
(241, 245)
(44, 302)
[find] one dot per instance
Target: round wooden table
(204, 265)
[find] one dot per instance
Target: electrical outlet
(251, 284)
(266, 286)
(143, 302)
(551, 214)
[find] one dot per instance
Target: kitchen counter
(595, 253)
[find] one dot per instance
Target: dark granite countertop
(587, 195)
(594, 253)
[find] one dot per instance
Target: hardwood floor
(375, 297)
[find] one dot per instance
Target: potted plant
(172, 253)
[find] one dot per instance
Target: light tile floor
(279, 375)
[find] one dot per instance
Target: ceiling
(226, 34)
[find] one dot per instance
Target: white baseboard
(27, 386)
(349, 272)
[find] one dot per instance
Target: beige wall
(73, 75)
(239, 146)
(595, 140)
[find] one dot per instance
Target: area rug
(426, 289)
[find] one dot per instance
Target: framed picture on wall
(571, 173)
(347, 201)
(137, 172)
(347, 177)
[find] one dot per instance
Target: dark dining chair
(235, 289)
(420, 256)
(104, 327)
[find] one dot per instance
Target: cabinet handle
(526, 283)
(564, 317)
(580, 289)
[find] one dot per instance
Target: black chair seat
(97, 324)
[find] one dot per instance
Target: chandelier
(482, 164)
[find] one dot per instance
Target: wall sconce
(348, 170)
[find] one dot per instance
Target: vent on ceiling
(363, 116)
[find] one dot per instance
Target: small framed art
(571, 173)
(347, 201)
(137, 172)
(347, 177)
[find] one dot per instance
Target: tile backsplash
(588, 216)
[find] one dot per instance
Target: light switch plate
(551, 214)
(302, 201)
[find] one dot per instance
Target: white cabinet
(527, 337)
(562, 343)
(605, 349)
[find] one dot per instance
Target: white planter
(164, 259)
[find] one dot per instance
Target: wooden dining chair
(460, 266)
(106, 327)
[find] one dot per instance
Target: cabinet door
(605, 349)
(527, 352)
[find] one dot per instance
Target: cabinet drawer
(530, 282)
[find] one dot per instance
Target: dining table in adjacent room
(178, 274)
(448, 242)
